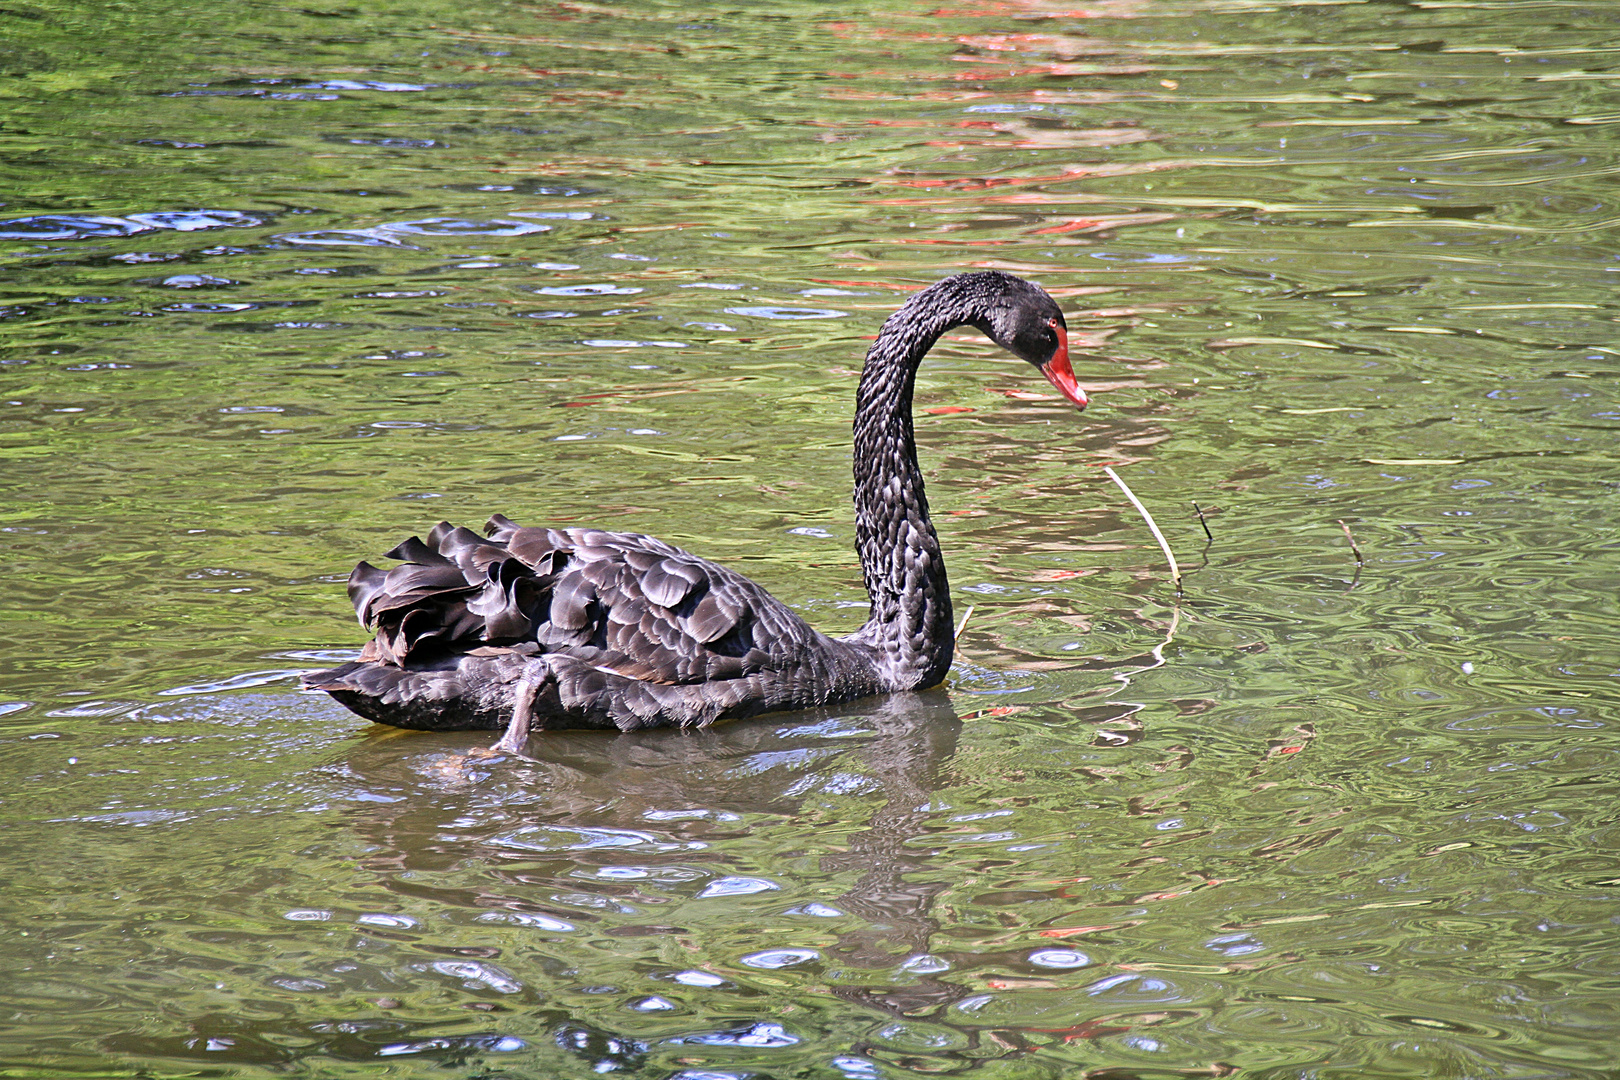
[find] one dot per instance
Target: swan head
(1027, 322)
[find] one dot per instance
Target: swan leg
(517, 732)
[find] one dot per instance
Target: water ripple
(602, 289)
(764, 1034)
(94, 226)
(774, 959)
(497, 1044)
(736, 886)
(762, 312)
(462, 227)
(526, 918)
(475, 974)
(568, 838)
(236, 682)
(351, 84)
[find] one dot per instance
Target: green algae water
(281, 285)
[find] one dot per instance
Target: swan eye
(1035, 343)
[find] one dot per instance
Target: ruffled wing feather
(626, 604)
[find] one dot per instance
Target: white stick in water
(1170, 556)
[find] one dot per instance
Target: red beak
(1060, 374)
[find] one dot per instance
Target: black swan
(582, 628)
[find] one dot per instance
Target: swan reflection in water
(638, 901)
(676, 799)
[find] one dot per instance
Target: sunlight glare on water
(282, 285)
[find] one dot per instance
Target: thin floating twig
(1153, 527)
(966, 615)
(1359, 560)
(1204, 523)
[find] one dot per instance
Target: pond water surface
(281, 285)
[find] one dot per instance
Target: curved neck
(909, 623)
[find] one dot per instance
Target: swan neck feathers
(909, 622)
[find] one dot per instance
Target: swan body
(583, 628)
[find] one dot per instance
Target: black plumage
(584, 628)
